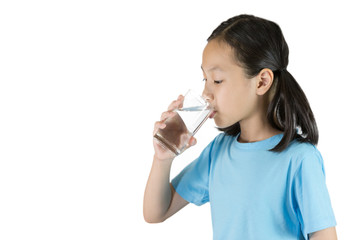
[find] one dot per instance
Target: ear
(264, 80)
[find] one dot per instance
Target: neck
(256, 129)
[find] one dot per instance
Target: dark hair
(257, 44)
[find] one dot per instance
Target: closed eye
(215, 81)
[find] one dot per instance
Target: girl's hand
(161, 152)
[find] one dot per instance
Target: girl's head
(244, 65)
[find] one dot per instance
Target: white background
(82, 83)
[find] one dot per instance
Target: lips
(212, 114)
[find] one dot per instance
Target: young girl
(263, 176)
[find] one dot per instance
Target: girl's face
(228, 90)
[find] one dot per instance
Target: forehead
(217, 56)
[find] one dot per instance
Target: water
(175, 135)
(194, 117)
(192, 109)
(180, 128)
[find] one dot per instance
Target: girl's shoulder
(303, 151)
(301, 148)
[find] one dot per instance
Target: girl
(263, 176)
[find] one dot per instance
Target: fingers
(166, 115)
(188, 142)
(192, 142)
(177, 103)
(162, 123)
(158, 125)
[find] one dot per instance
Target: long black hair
(257, 44)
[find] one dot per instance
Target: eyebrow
(215, 68)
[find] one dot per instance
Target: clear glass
(187, 121)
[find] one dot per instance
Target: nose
(207, 95)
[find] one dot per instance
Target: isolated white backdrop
(82, 83)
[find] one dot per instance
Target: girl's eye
(215, 81)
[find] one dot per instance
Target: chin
(222, 124)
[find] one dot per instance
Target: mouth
(212, 114)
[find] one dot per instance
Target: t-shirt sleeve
(314, 207)
(192, 183)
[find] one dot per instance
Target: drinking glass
(185, 123)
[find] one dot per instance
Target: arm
(160, 199)
(326, 234)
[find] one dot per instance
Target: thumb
(192, 141)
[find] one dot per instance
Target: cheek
(240, 100)
(247, 104)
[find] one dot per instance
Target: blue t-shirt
(256, 194)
